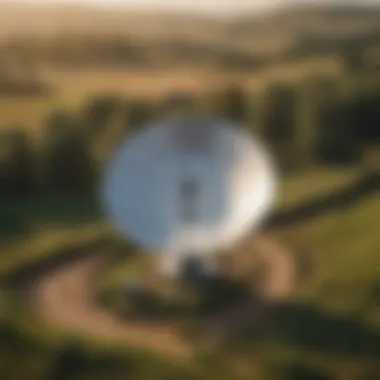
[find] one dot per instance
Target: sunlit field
(72, 87)
(306, 82)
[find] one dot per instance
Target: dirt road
(64, 299)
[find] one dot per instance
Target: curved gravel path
(63, 298)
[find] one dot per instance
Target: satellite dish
(189, 186)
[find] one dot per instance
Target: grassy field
(345, 243)
(43, 245)
(333, 324)
(346, 247)
(329, 330)
(73, 87)
(294, 189)
(22, 217)
(36, 228)
(298, 188)
(25, 217)
(329, 327)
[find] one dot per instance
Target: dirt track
(64, 299)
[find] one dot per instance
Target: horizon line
(175, 11)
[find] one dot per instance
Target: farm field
(299, 299)
(345, 250)
(72, 87)
(25, 217)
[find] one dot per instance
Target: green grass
(24, 337)
(294, 189)
(46, 244)
(132, 267)
(347, 245)
(338, 301)
(305, 186)
(330, 325)
(33, 229)
(73, 87)
(346, 242)
(21, 217)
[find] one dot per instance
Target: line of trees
(319, 120)
(86, 49)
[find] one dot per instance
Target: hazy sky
(202, 6)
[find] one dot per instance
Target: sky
(198, 6)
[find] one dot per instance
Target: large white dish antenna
(194, 185)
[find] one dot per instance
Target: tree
(301, 372)
(99, 111)
(68, 162)
(365, 117)
(353, 60)
(279, 113)
(136, 113)
(337, 142)
(17, 167)
(232, 103)
(59, 122)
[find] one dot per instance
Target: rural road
(64, 299)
